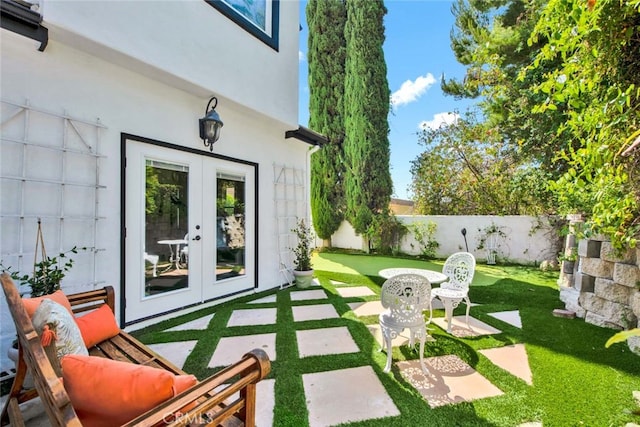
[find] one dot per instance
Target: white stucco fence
(521, 239)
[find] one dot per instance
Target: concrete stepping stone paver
(375, 330)
(319, 342)
(197, 324)
(265, 401)
(346, 395)
(174, 352)
(354, 305)
(450, 380)
(253, 316)
(336, 282)
(308, 295)
(369, 308)
(314, 312)
(510, 317)
(459, 327)
(511, 358)
(373, 308)
(231, 349)
(263, 300)
(400, 340)
(355, 291)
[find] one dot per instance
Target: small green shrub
(423, 233)
(385, 233)
(302, 250)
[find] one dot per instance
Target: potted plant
(303, 271)
(47, 274)
(45, 280)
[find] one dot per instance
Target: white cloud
(410, 91)
(301, 56)
(439, 120)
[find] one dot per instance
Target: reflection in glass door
(230, 226)
(166, 227)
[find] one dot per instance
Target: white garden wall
(521, 239)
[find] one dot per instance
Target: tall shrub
(368, 184)
(327, 51)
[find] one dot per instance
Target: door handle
(196, 238)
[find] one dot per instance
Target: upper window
(259, 17)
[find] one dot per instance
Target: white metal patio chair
(153, 259)
(184, 252)
(405, 297)
(459, 268)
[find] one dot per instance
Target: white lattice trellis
(49, 170)
(290, 204)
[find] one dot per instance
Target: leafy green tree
(591, 55)
(327, 51)
(491, 39)
(558, 82)
(368, 184)
(500, 154)
(468, 169)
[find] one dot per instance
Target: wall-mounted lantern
(210, 124)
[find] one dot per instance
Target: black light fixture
(210, 124)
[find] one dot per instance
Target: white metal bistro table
(435, 277)
(175, 254)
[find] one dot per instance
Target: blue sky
(417, 51)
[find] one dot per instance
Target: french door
(190, 228)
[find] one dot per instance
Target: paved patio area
(354, 394)
(357, 394)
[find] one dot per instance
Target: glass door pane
(230, 226)
(166, 227)
(162, 205)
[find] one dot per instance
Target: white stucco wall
(189, 45)
(523, 239)
(148, 69)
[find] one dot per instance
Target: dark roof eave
(307, 135)
(15, 16)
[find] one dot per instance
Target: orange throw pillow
(97, 325)
(182, 383)
(113, 391)
(32, 304)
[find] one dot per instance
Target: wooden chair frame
(213, 407)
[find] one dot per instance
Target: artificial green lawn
(576, 380)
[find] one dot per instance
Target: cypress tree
(327, 46)
(368, 184)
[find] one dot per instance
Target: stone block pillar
(569, 264)
(605, 287)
